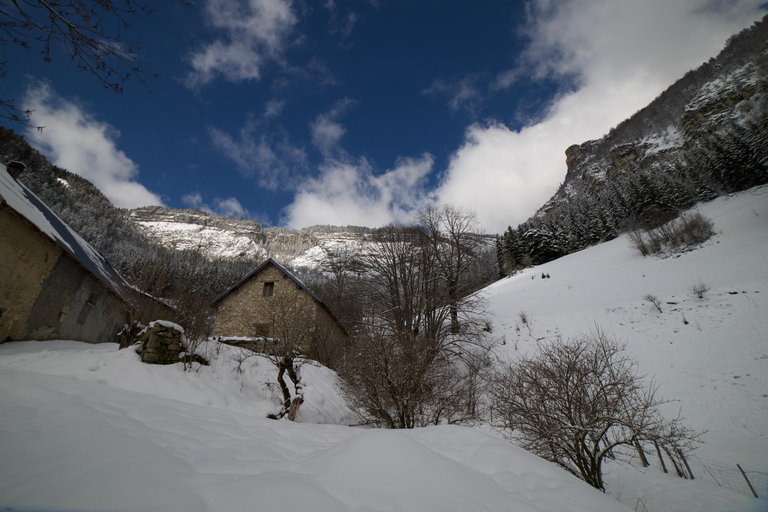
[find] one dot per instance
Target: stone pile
(161, 343)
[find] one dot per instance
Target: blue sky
(361, 112)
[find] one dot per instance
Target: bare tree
(397, 281)
(422, 355)
(292, 329)
(452, 238)
(340, 289)
(577, 402)
(91, 31)
(406, 381)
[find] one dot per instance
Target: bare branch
(575, 402)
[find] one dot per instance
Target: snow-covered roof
(24, 202)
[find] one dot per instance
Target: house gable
(240, 310)
(53, 284)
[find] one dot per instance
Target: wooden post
(680, 453)
(642, 454)
(661, 460)
(677, 469)
(747, 479)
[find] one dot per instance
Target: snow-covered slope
(91, 428)
(711, 354)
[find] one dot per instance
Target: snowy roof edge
(30, 207)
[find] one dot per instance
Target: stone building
(269, 301)
(53, 284)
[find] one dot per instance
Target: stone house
(53, 284)
(252, 309)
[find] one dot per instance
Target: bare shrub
(577, 402)
(695, 228)
(699, 289)
(637, 240)
(653, 300)
(403, 380)
(688, 230)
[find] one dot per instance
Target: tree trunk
(294, 409)
(284, 389)
(452, 299)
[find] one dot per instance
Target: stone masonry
(248, 310)
(161, 343)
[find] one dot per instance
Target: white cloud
(273, 109)
(344, 26)
(195, 200)
(327, 131)
(229, 207)
(620, 54)
(269, 156)
(463, 93)
(255, 32)
(74, 140)
(349, 192)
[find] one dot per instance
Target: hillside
(89, 427)
(709, 353)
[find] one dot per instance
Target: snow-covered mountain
(216, 236)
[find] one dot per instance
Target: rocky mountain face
(216, 236)
(705, 136)
(728, 90)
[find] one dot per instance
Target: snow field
(709, 353)
(91, 428)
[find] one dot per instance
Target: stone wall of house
(248, 313)
(26, 261)
(245, 312)
(74, 305)
(45, 294)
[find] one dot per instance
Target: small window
(269, 289)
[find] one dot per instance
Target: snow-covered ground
(710, 354)
(89, 427)
(86, 427)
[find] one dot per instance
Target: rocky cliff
(728, 90)
(216, 236)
